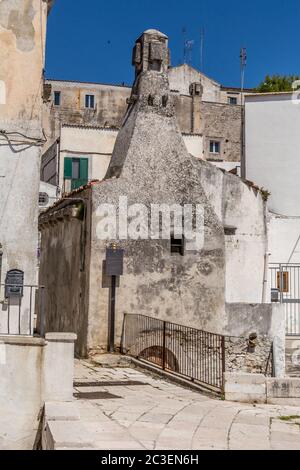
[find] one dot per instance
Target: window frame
(57, 94)
(90, 102)
(214, 142)
(232, 98)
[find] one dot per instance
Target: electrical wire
(285, 216)
(25, 144)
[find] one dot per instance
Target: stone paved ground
(161, 415)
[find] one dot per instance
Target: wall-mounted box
(14, 283)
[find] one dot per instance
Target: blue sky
(91, 40)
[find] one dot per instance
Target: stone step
(292, 356)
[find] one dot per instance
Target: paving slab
(163, 416)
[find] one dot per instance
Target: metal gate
(285, 285)
(187, 352)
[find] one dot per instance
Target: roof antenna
(243, 57)
(188, 51)
(184, 41)
(202, 38)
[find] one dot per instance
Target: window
(232, 100)
(57, 96)
(76, 170)
(177, 245)
(283, 282)
(90, 101)
(214, 146)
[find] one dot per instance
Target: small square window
(214, 146)
(232, 100)
(57, 97)
(90, 101)
(177, 245)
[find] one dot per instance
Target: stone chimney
(151, 52)
(150, 93)
(151, 165)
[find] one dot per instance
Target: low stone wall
(267, 321)
(240, 357)
(32, 371)
(256, 388)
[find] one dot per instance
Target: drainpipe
(265, 284)
(243, 139)
(1, 254)
(266, 259)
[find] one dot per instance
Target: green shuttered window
(76, 170)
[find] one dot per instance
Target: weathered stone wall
(241, 358)
(64, 270)
(222, 122)
(22, 44)
(266, 321)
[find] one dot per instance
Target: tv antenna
(188, 51)
(202, 38)
(243, 58)
(183, 42)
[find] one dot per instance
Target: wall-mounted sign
(114, 262)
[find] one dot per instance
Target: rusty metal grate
(108, 384)
(95, 396)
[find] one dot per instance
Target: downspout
(1, 255)
(265, 299)
(243, 139)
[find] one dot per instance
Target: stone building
(85, 118)
(22, 50)
(217, 287)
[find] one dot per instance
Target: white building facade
(272, 160)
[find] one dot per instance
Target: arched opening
(154, 354)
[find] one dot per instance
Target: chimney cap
(155, 32)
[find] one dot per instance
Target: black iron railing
(285, 289)
(20, 309)
(269, 371)
(187, 352)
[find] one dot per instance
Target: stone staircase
(292, 356)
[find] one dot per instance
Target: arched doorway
(154, 354)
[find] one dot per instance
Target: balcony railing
(19, 310)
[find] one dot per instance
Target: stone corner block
(245, 388)
(67, 435)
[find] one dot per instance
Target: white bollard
(58, 367)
